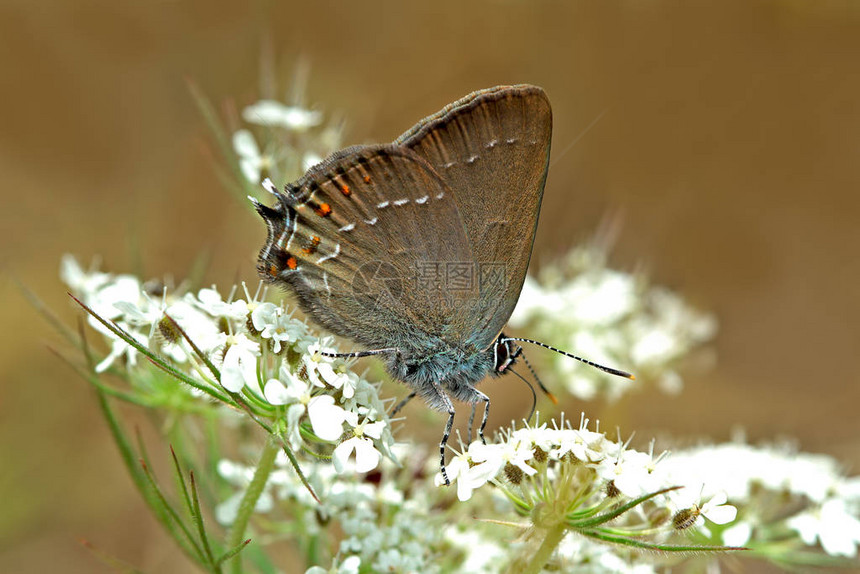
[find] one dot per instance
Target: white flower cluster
(808, 493)
(380, 527)
(771, 490)
(270, 358)
(525, 451)
(285, 153)
(485, 552)
(612, 318)
(387, 529)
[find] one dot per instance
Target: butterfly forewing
(354, 238)
(492, 149)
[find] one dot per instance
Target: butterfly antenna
(610, 370)
(537, 378)
(531, 388)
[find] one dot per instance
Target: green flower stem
(249, 501)
(552, 538)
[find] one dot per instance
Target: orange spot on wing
(312, 245)
(324, 210)
(366, 179)
(273, 270)
(344, 189)
(291, 262)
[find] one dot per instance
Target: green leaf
(225, 146)
(606, 536)
(197, 518)
(616, 512)
(155, 359)
(232, 552)
(131, 460)
(173, 516)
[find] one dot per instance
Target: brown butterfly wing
(492, 149)
(353, 238)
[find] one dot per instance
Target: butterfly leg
(481, 397)
(449, 407)
(486, 400)
(472, 421)
(402, 404)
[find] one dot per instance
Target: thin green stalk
(552, 538)
(249, 501)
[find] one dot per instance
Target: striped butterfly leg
(481, 397)
(399, 406)
(449, 408)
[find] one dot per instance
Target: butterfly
(417, 250)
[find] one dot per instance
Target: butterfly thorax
(456, 371)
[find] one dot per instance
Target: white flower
(600, 299)
(583, 444)
(239, 367)
(199, 326)
(482, 554)
(339, 378)
(326, 418)
(349, 566)
(273, 113)
(517, 453)
(654, 346)
(84, 284)
(251, 161)
(366, 456)
(120, 348)
(318, 365)
(536, 436)
(488, 461)
(226, 512)
(737, 534)
(717, 511)
(611, 318)
(630, 472)
(122, 300)
(457, 470)
(833, 525)
(108, 301)
(264, 316)
(210, 301)
(273, 324)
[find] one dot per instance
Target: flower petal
(245, 145)
(341, 453)
(366, 456)
(276, 393)
(326, 417)
(722, 514)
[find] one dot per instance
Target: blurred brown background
(729, 145)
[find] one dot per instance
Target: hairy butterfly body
(417, 250)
